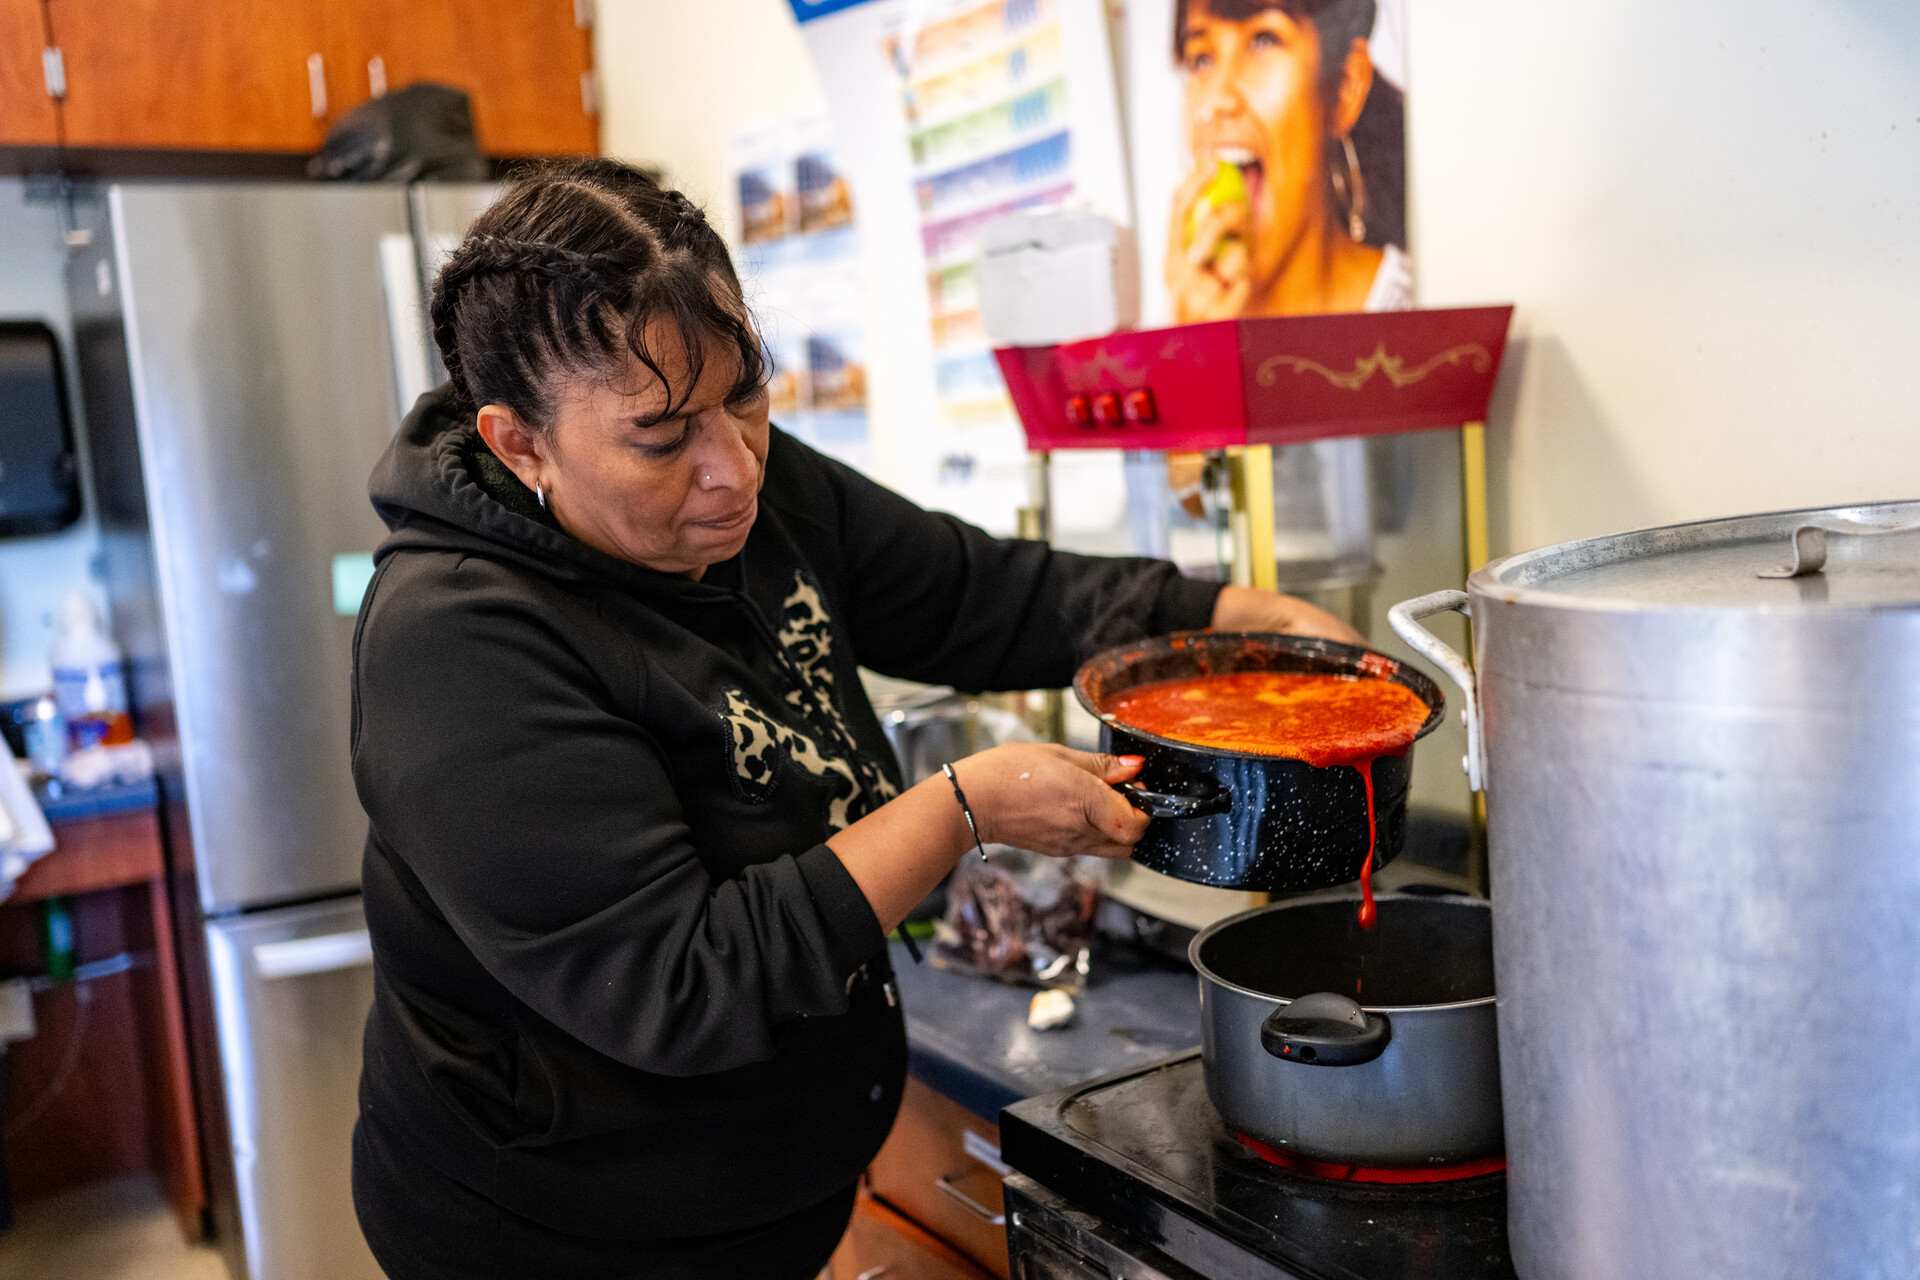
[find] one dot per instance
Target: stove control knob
(1138, 407)
(1106, 409)
(1078, 412)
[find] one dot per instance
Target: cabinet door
(26, 112)
(533, 55)
(521, 62)
(931, 1170)
(375, 45)
(206, 75)
(879, 1242)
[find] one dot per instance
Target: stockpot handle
(1161, 804)
(1809, 542)
(1404, 618)
(1325, 1029)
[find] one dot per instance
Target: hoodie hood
(438, 487)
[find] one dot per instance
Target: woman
(1273, 219)
(636, 837)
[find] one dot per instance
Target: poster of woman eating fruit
(1269, 156)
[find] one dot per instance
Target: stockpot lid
(1864, 557)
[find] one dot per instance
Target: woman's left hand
(1249, 609)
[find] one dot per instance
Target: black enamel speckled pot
(1244, 821)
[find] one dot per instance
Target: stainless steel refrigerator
(247, 351)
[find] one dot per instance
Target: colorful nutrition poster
(953, 113)
(798, 257)
(983, 94)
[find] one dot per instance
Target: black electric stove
(1148, 1158)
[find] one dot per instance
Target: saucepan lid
(1823, 557)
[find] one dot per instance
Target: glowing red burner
(1365, 1173)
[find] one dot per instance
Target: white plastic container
(89, 678)
(1055, 275)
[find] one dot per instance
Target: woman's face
(1253, 100)
(676, 495)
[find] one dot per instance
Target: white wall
(677, 81)
(1708, 213)
(37, 573)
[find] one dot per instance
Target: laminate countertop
(968, 1037)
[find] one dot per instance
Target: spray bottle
(89, 679)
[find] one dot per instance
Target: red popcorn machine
(1234, 389)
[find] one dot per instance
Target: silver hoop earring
(1352, 188)
(540, 492)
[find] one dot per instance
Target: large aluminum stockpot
(1701, 752)
(1370, 1046)
(1241, 819)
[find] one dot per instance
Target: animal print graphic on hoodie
(761, 741)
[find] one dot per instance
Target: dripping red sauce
(1367, 907)
(1326, 721)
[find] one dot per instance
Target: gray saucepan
(1357, 1046)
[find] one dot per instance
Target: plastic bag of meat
(1019, 918)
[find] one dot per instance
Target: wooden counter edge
(104, 852)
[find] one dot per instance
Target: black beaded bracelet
(966, 809)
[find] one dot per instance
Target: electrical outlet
(16, 1010)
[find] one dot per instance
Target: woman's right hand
(1032, 795)
(1052, 800)
(1209, 279)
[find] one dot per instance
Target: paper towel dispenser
(39, 477)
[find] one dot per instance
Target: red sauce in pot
(1324, 720)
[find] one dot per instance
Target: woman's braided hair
(563, 275)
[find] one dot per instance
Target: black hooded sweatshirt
(622, 988)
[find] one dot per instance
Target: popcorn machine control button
(1138, 407)
(1106, 409)
(1078, 414)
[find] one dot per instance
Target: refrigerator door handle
(297, 957)
(406, 320)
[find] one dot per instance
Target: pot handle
(1159, 804)
(1404, 618)
(1325, 1030)
(1809, 543)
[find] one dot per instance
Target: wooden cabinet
(25, 108)
(213, 75)
(104, 1088)
(526, 64)
(274, 75)
(929, 1171)
(881, 1243)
